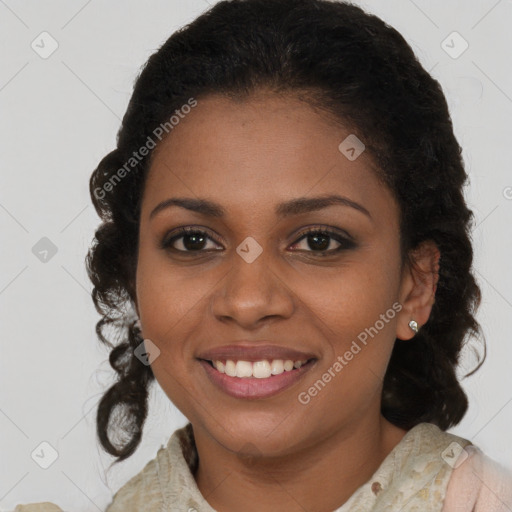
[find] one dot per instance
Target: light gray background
(59, 117)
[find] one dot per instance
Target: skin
(248, 156)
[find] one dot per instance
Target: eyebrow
(286, 209)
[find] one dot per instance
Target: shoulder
(140, 492)
(164, 480)
(38, 507)
(478, 483)
(428, 445)
(414, 475)
(151, 486)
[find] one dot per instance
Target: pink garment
(478, 484)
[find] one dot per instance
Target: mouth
(255, 379)
(257, 369)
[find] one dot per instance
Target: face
(261, 274)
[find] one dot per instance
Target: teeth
(288, 365)
(243, 369)
(229, 368)
(277, 366)
(258, 369)
(261, 369)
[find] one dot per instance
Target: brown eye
(320, 240)
(188, 240)
(316, 240)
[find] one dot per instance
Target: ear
(418, 288)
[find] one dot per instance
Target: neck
(320, 477)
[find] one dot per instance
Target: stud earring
(413, 325)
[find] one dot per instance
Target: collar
(418, 468)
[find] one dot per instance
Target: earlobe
(418, 289)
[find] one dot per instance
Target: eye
(189, 239)
(320, 239)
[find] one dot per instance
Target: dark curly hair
(356, 68)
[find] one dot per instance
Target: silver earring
(413, 325)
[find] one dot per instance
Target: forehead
(257, 152)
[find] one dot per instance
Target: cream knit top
(429, 470)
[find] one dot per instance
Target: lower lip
(252, 387)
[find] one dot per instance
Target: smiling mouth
(263, 369)
(256, 380)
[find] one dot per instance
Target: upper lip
(254, 353)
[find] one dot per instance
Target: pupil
(322, 245)
(197, 241)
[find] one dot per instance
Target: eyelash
(345, 242)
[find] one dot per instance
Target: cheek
(349, 298)
(354, 314)
(168, 306)
(168, 296)
(177, 382)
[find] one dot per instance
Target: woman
(284, 213)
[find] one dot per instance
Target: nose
(251, 292)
